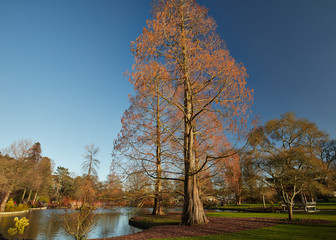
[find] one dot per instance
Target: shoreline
(21, 212)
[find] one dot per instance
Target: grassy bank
(281, 231)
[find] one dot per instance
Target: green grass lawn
(326, 205)
(324, 215)
(281, 231)
(246, 205)
(320, 205)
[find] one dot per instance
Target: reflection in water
(110, 223)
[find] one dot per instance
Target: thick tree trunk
(5, 199)
(158, 206)
(193, 212)
(158, 203)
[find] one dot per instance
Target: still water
(110, 223)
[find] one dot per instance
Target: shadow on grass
(282, 231)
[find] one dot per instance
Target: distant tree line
(286, 160)
(24, 173)
(27, 177)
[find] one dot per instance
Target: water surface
(110, 223)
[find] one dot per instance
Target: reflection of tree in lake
(39, 228)
(75, 223)
(5, 224)
(33, 229)
(47, 228)
(112, 222)
(105, 225)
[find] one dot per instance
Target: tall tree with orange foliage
(202, 82)
(143, 136)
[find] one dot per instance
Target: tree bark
(158, 202)
(23, 195)
(238, 200)
(29, 196)
(5, 199)
(263, 198)
(289, 202)
(290, 211)
(193, 212)
(35, 196)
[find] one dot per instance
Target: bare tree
(78, 223)
(91, 163)
(75, 223)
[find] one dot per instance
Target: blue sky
(62, 65)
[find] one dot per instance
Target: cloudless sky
(62, 65)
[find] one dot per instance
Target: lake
(110, 223)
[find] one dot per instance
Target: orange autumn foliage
(181, 62)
